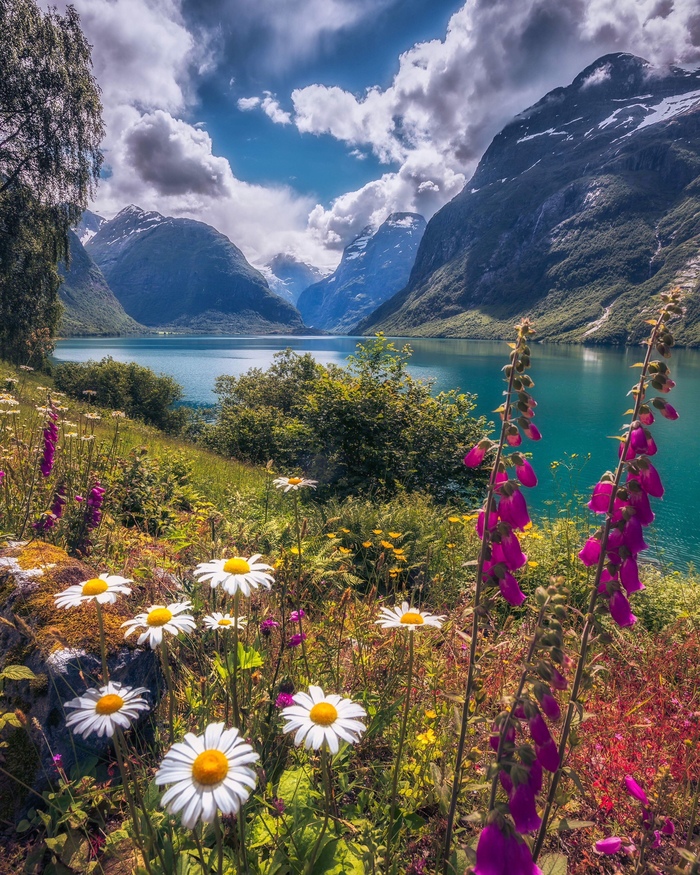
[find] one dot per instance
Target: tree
(50, 130)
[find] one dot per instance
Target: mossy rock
(62, 647)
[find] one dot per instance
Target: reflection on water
(581, 392)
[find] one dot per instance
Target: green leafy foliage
(370, 428)
(131, 388)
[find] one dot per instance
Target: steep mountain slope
(185, 274)
(373, 267)
(89, 224)
(288, 277)
(581, 209)
(89, 306)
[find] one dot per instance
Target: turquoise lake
(581, 393)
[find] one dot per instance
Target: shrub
(369, 428)
(136, 390)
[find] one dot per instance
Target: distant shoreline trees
(50, 131)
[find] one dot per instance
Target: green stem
(325, 774)
(130, 803)
(299, 571)
(589, 625)
(234, 679)
(466, 709)
(165, 660)
(219, 844)
(397, 765)
(103, 643)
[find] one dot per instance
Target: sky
(291, 125)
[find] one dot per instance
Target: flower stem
(103, 643)
(326, 776)
(466, 709)
(234, 679)
(574, 704)
(219, 844)
(130, 802)
(165, 660)
(299, 570)
(399, 752)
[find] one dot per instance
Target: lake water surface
(581, 393)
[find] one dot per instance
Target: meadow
(370, 674)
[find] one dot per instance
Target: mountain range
(288, 276)
(373, 268)
(581, 209)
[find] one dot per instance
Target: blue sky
(290, 125)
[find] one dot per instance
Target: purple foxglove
(668, 829)
(667, 386)
(636, 791)
(638, 440)
(522, 862)
(501, 477)
(629, 575)
(493, 522)
(526, 474)
(548, 755)
(558, 681)
(523, 809)
(615, 538)
(491, 852)
(633, 536)
(514, 439)
(512, 509)
(494, 740)
(656, 843)
(539, 729)
(639, 500)
(620, 610)
(550, 707)
(475, 456)
(508, 551)
(630, 451)
(611, 845)
(600, 500)
(648, 478)
(590, 554)
(668, 411)
(510, 590)
(506, 781)
(646, 417)
(532, 432)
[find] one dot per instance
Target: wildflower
(426, 738)
(296, 640)
(267, 625)
(103, 589)
(295, 616)
(159, 619)
(105, 709)
(236, 574)
(532, 432)
(405, 617)
(317, 719)
(223, 622)
(476, 455)
(208, 772)
(525, 473)
(636, 791)
(284, 700)
(611, 845)
(510, 590)
(366, 544)
(50, 441)
(93, 513)
(49, 519)
(501, 853)
(512, 509)
(522, 801)
(294, 483)
(394, 535)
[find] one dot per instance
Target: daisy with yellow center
(224, 622)
(236, 574)
(294, 483)
(406, 617)
(103, 589)
(323, 721)
(209, 773)
(105, 709)
(159, 619)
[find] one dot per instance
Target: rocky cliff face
(288, 277)
(170, 272)
(582, 208)
(373, 268)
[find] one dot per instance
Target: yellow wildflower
(394, 534)
(366, 544)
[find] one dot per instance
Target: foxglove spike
(512, 509)
(510, 590)
(620, 610)
(526, 474)
(590, 554)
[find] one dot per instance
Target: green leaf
(17, 673)
(554, 864)
(459, 862)
(294, 787)
(564, 824)
(248, 658)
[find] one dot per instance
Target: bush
(137, 391)
(370, 428)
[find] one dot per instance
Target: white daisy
(294, 483)
(103, 589)
(208, 772)
(159, 619)
(103, 710)
(236, 574)
(406, 617)
(223, 622)
(317, 718)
